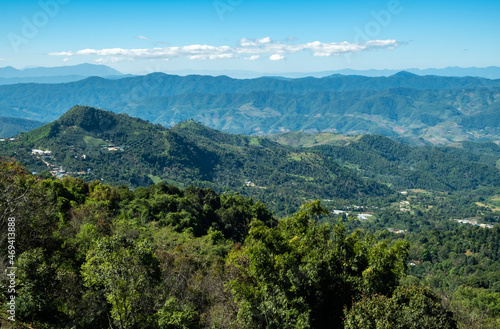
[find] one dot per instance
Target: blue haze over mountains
(59, 74)
(417, 109)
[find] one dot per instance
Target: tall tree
(297, 275)
(127, 272)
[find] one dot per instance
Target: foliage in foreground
(96, 256)
(409, 308)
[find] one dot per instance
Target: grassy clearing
(155, 179)
(94, 142)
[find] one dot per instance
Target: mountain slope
(119, 149)
(10, 127)
(440, 110)
(295, 167)
(86, 69)
(404, 167)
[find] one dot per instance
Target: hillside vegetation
(190, 227)
(452, 168)
(96, 144)
(118, 149)
(10, 127)
(440, 110)
(93, 255)
(96, 256)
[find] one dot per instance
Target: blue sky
(264, 36)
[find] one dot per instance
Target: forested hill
(98, 256)
(10, 127)
(440, 110)
(118, 149)
(451, 168)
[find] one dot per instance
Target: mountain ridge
(95, 143)
(490, 72)
(85, 69)
(440, 110)
(58, 74)
(119, 149)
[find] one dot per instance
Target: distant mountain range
(118, 149)
(60, 74)
(81, 70)
(490, 72)
(417, 109)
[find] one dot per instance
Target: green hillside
(10, 127)
(459, 167)
(118, 149)
(90, 255)
(440, 110)
(213, 255)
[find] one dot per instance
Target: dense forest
(90, 255)
(113, 222)
(10, 127)
(283, 171)
(95, 143)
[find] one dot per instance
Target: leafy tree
(176, 316)
(411, 307)
(38, 281)
(296, 276)
(127, 272)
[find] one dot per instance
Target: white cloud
(264, 40)
(143, 37)
(251, 48)
(247, 43)
(276, 57)
(213, 56)
(111, 60)
(252, 58)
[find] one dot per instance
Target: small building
(40, 152)
(364, 216)
(396, 231)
